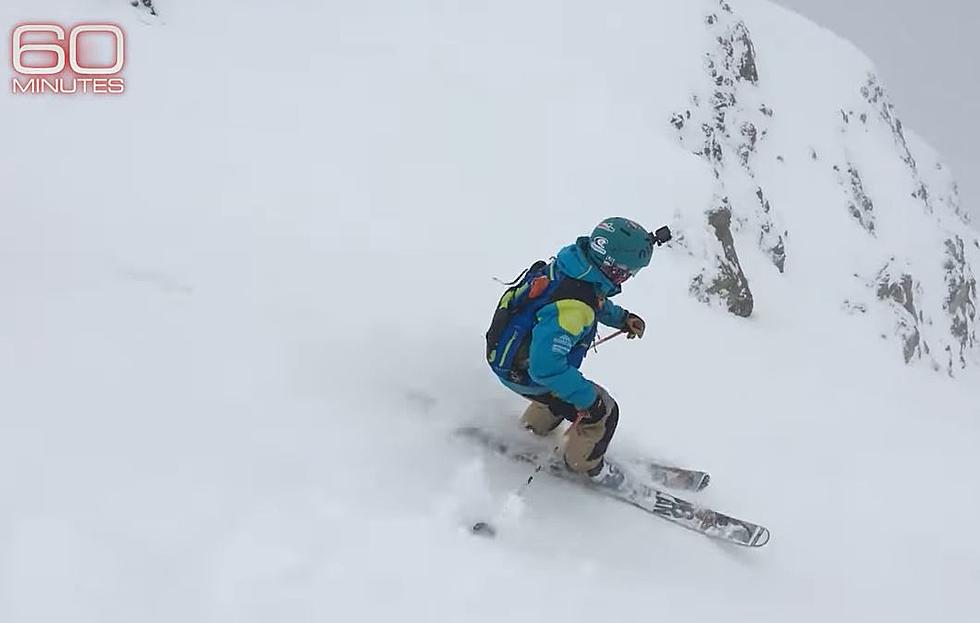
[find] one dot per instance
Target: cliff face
(842, 154)
(724, 124)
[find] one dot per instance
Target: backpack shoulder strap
(577, 290)
(577, 304)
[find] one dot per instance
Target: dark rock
(772, 243)
(729, 282)
(147, 4)
(742, 43)
(922, 192)
(961, 299)
(750, 136)
(901, 292)
(860, 205)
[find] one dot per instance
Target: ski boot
(607, 475)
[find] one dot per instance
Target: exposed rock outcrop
(771, 241)
(146, 4)
(724, 126)
(892, 186)
(725, 281)
(960, 303)
(901, 292)
(859, 204)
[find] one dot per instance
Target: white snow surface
(244, 305)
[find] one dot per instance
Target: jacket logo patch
(562, 345)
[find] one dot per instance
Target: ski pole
(608, 337)
(488, 529)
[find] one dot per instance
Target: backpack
(509, 335)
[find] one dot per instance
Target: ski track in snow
(242, 321)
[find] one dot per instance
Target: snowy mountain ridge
(931, 297)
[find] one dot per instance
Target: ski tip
(705, 481)
(760, 538)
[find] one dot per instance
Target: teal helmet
(620, 247)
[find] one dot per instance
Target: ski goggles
(618, 273)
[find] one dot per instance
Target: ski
(671, 477)
(651, 472)
(699, 519)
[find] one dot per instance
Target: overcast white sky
(927, 55)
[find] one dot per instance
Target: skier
(545, 323)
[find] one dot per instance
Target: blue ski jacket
(564, 324)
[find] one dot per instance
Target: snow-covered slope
(810, 155)
(244, 308)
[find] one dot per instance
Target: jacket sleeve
(560, 326)
(612, 315)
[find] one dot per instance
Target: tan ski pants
(587, 442)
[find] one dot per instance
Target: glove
(595, 412)
(634, 326)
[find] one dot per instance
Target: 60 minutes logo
(63, 63)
